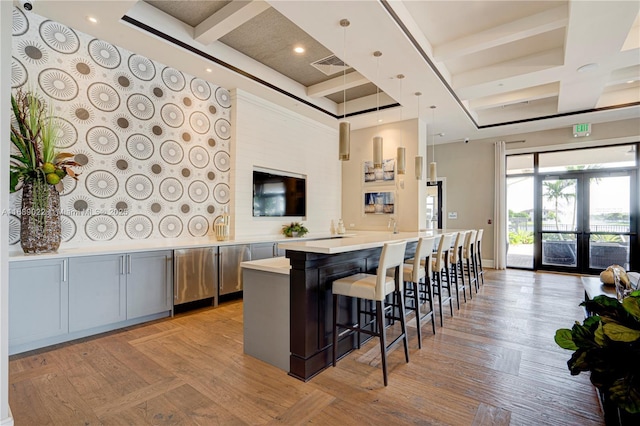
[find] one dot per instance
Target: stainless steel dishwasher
(195, 275)
(230, 271)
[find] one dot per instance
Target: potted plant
(607, 344)
(38, 169)
(294, 229)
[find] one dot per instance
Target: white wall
(409, 211)
(269, 136)
(6, 9)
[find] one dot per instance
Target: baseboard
(7, 421)
(488, 263)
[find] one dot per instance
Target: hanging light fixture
(345, 126)
(377, 140)
(401, 151)
(433, 167)
(419, 160)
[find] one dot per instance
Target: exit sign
(582, 129)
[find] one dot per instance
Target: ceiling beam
(529, 26)
(227, 19)
(530, 94)
(337, 84)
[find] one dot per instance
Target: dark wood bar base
(311, 278)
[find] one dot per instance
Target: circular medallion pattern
(142, 67)
(57, 84)
(171, 189)
(171, 152)
(173, 78)
(200, 89)
(198, 226)
(102, 140)
(221, 161)
(223, 129)
(18, 73)
(139, 187)
(101, 184)
(221, 193)
(198, 191)
(170, 226)
(199, 122)
(101, 227)
(138, 227)
(172, 115)
(80, 203)
(14, 229)
(103, 97)
(82, 68)
(33, 52)
(139, 146)
(199, 157)
(104, 54)
(20, 23)
(60, 38)
(67, 228)
(223, 97)
(140, 106)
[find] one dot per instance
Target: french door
(585, 221)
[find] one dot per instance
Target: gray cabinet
(149, 278)
(38, 301)
(97, 291)
(230, 258)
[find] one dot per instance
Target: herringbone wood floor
(493, 363)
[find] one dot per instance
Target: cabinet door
(230, 271)
(149, 280)
(97, 291)
(262, 251)
(38, 300)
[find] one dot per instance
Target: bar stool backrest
(445, 245)
(423, 250)
(455, 253)
(391, 257)
(468, 240)
(479, 240)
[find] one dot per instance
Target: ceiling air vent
(330, 65)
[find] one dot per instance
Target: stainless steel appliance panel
(230, 271)
(195, 274)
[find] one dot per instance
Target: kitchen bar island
(314, 267)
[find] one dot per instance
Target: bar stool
(455, 261)
(478, 256)
(468, 255)
(440, 271)
(418, 283)
(375, 288)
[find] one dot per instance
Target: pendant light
(433, 167)
(419, 160)
(345, 126)
(377, 140)
(401, 150)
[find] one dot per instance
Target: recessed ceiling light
(630, 81)
(588, 67)
(92, 19)
(380, 120)
(208, 70)
(298, 49)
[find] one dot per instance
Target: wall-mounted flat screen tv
(278, 194)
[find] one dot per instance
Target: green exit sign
(582, 129)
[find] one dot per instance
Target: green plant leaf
(578, 362)
(598, 336)
(620, 333)
(564, 339)
(632, 305)
(14, 180)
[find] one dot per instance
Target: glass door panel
(560, 250)
(609, 221)
(520, 206)
(559, 208)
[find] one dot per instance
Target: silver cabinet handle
(128, 264)
(122, 265)
(64, 270)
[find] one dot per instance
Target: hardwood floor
(493, 363)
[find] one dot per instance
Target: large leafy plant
(33, 135)
(607, 344)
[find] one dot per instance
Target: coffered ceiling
(491, 67)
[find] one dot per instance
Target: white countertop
(359, 241)
(118, 247)
(278, 265)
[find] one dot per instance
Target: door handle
(128, 264)
(64, 270)
(122, 265)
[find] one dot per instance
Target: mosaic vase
(40, 230)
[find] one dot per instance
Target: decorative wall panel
(153, 141)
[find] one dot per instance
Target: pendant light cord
(344, 72)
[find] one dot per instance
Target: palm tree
(555, 190)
